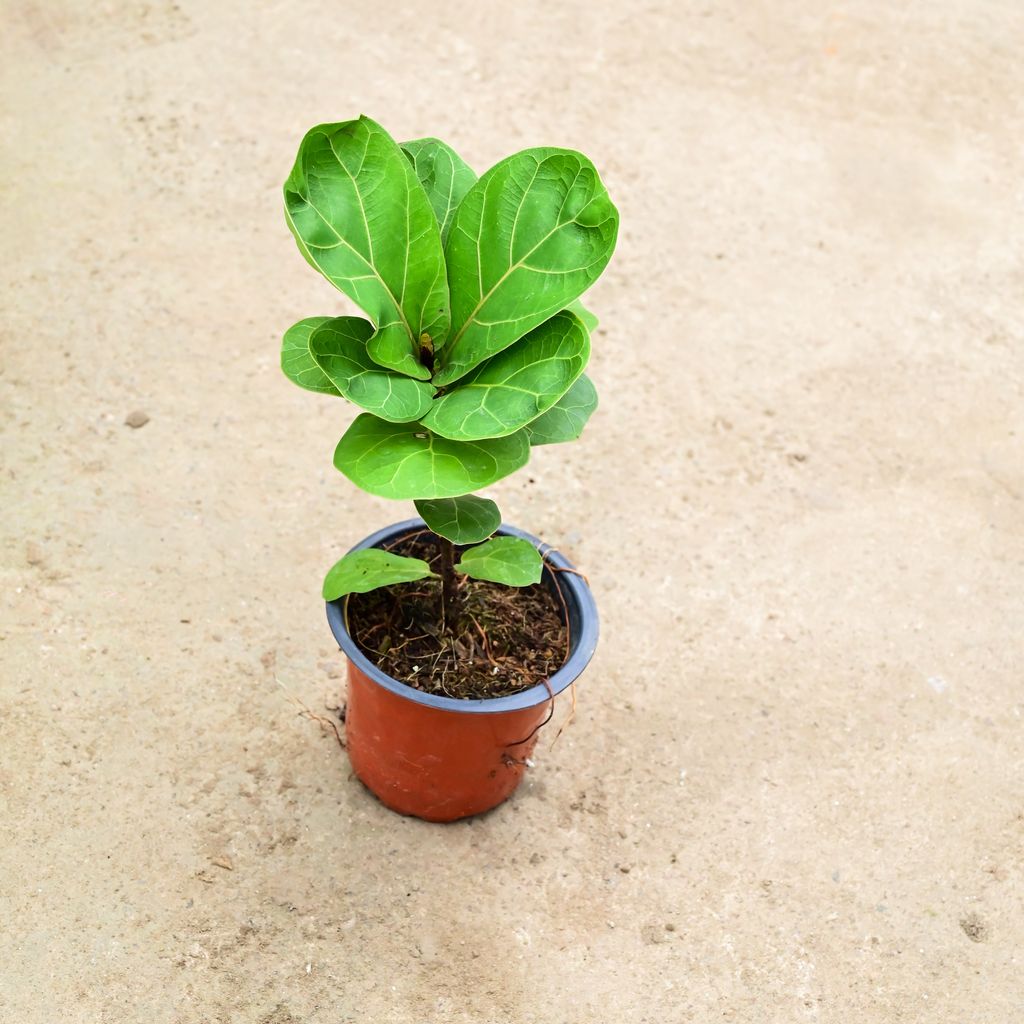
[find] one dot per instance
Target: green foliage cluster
(475, 343)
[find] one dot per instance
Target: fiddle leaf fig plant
(475, 340)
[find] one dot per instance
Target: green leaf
(515, 386)
(529, 237)
(339, 349)
(589, 320)
(361, 571)
(297, 361)
(444, 175)
(509, 560)
(361, 217)
(565, 420)
(403, 460)
(463, 520)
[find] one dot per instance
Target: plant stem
(451, 599)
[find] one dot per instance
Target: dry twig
(305, 712)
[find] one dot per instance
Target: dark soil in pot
(508, 639)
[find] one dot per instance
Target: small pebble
(653, 935)
(974, 928)
(136, 419)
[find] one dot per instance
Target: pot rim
(573, 588)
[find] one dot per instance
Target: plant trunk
(451, 599)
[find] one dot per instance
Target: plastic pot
(440, 758)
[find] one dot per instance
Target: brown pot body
(435, 764)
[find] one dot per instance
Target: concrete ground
(793, 787)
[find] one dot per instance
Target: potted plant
(459, 630)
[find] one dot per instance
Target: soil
(507, 639)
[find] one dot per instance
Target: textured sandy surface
(794, 786)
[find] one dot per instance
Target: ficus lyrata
(474, 343)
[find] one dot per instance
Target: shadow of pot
(440, 758)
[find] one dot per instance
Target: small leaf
(589, 320)
(565, 420)
(515, 386)
(361, 571)
(509, 560)
(466, 519)
(360, 216)
(528, 238)
(407, 461)
(339, 349)
(296, 360)
(444, 175)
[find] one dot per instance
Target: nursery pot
(440, 758)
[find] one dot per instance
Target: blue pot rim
(573, 588)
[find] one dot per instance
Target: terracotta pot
(440, 758)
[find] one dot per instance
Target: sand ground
(793, 789)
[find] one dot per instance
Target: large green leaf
(463, 520)
(529, 237)
(297, 361)
(370, 568)
(444, 175)
(361, 217)
(509, 560)
(403, 460)
(515, 386)
(338, 348)
(565, 420)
